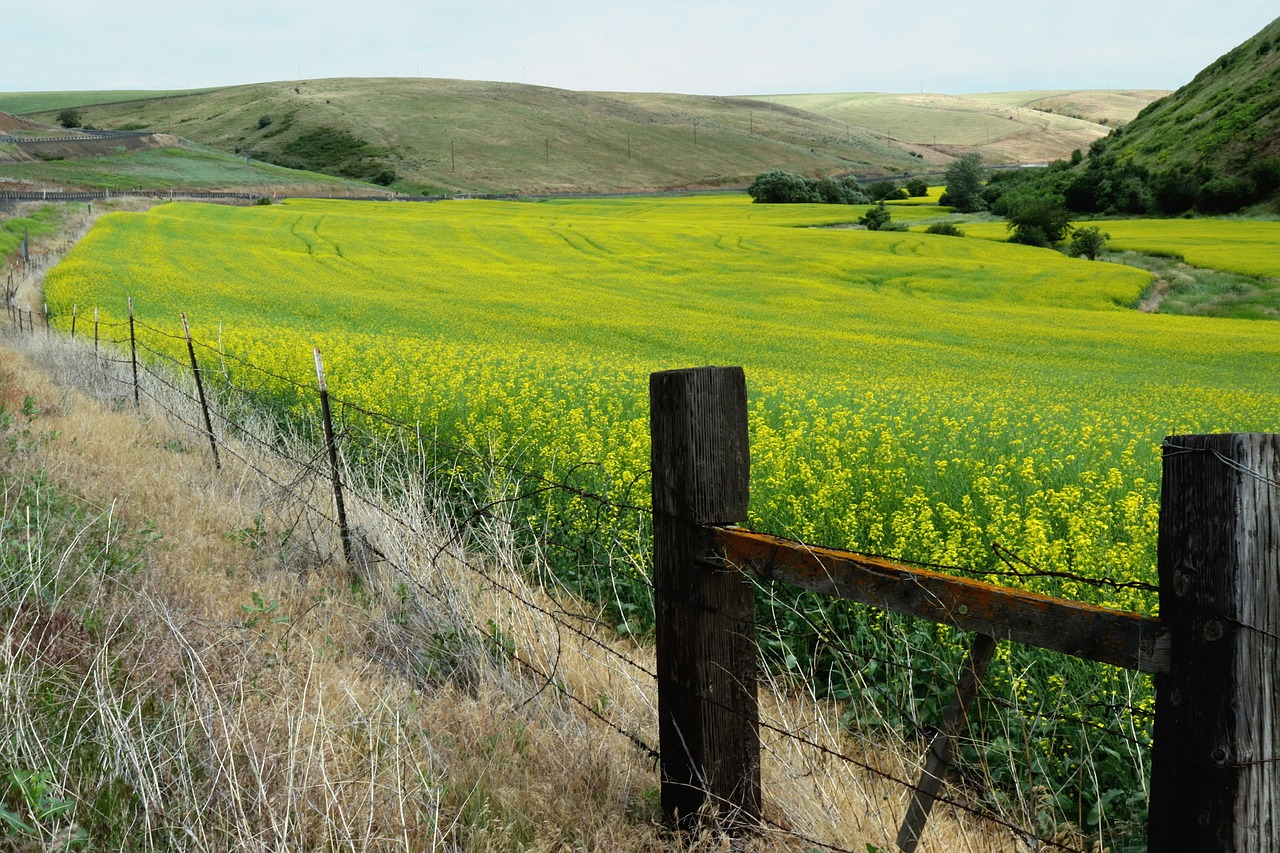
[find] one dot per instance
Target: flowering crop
(911, 395)
(1249, 247)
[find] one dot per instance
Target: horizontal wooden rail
(1116, 637)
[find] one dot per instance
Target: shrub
(877, 218)
(917, 188)
(1175, 190)
(263, 121)
(1225, 194)
(1041, 221)
(780, 187)
(70, 118)
(881, 190)
(947, 229)
(1088, 242)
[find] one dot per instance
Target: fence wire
(799, 637)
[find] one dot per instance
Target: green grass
(23, 103)
(42, 222)
(165, 168)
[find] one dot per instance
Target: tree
(780, 187)
(964, 180)
(1088, 242)
(1039, 221)
(70, 118)
(877, 218)
(917, 187)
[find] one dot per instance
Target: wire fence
(1050, 770)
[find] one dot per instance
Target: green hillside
(1225, 118)
(21, 103)
(456, 135)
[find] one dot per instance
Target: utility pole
(453, 160)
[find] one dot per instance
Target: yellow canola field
(1245, 246)
(913, 395)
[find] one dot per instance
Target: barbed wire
(544, 486)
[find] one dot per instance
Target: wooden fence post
(204, 403)
(708, 719)
(331, 446)
(133, 358)
(1215, 782)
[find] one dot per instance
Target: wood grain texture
(1116, 637)
(1216, 753)
(708, 717)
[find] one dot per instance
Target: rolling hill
(1004, 127)
(456, 135)
(433, 135)
(1225, 119)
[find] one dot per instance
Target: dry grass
(189, 665)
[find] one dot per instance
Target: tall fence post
(331, 446)
(708, 719)
(1215, 783)
(204, 403)
(75, 310)
(95, 331)
(133, 358)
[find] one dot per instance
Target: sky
(688, 46)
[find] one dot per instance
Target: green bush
(947, 229)
(1225, 194)
(780, 187)
(917, 187)
(877, 218)
(1041, 222)
(1088, 242)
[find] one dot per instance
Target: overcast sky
(691, 46)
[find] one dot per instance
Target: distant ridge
(437, 136)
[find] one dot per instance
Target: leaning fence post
(1215, 776)
(75, 309)
(204, 404)
(133, 357)
(942, 746)
(708, 719)
(331, 445)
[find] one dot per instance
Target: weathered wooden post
(335, 471)
(133, 358)
(1215, 784)
(708, 719)
(204, 403)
